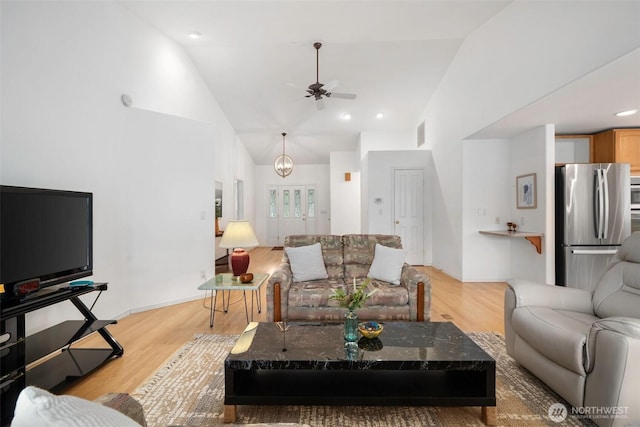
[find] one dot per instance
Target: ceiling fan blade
(331, 85)
(320, 103)
(341, 95)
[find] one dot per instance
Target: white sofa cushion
(37, 407)
(387, 264)
(306, 262)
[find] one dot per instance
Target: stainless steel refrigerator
(593, 217)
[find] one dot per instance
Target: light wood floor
(151, 337)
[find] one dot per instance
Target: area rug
(189, 391)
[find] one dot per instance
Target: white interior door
(409, 212)
(291, 210)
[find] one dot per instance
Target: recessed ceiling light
(626, 113)
(195, 35)
(380, 116)
(346, 116)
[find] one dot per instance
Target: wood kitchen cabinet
(617, 146)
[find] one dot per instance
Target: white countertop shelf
(533, 237)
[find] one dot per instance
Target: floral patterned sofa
(345, 258)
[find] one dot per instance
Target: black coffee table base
(419, 372)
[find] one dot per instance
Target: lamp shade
(238, 234)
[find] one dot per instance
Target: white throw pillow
(387, 264)
(306, 263)
(37, 407)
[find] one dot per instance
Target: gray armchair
(585, 346)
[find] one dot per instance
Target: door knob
(397, 222)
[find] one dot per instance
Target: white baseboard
(160, 305)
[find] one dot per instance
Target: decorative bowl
(370, 330)
(246, 278)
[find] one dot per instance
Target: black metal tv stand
(19, 353)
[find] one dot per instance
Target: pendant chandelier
(283, 164)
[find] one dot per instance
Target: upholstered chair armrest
(419, 287)
(277, 291)
(625, 327)
(613, 364)
(628, 326)
(522, 293)
(529, 293)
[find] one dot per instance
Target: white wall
(378, 141)
(573, 150)
(345, 195)
(489, 202)
(380, 166)
(317, 175)
(233, 162)
(382, 141)
(486, 205)
(245, 170)
(501, 67)
(533, 152)
(151, 167)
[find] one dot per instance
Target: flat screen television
(46, 238)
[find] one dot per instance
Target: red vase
(239, 261)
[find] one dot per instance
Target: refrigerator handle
(594, 251)
(605, 188)
(598, 204)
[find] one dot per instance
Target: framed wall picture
(526, 191)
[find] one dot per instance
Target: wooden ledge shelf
(534, 238)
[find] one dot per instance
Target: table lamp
(239, 235)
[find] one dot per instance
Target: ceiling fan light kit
(283, 164)
(318, 90)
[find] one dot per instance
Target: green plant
(353, 300)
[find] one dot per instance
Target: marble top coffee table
(411, 363)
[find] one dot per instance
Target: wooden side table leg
(489, 415)
(230, 413)
(420, 302)
(277, 308)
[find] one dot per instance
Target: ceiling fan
(319, 90)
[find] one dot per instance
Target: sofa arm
(522, 293)
(419, 287)
(277, 292)
(557, 297)
(625, 327)
(613, 366)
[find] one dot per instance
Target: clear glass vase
(351, 326)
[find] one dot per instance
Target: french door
(291, 210)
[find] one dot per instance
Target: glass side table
(228, 282)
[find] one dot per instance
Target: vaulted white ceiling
(258, 59)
